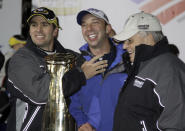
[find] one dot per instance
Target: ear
(108, 28)
(149, 40)
(55, 32)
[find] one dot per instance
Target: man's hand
(86, 127)
(93, 67)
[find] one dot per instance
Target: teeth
(92, 36)
(39, 36)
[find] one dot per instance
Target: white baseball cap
(138, 22)
(97, 13)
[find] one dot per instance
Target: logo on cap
(97, 13)
(46, 13)
(143, 27)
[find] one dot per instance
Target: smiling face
(136, 40)
(42, 33)
(94, 30)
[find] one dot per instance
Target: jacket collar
(110, 56)
(31, 46)
(115, 56)
(145, 52)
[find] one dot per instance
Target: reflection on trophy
(56, 116)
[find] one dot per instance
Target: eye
(128, 41)
(45, 24)
(33, 24)
(95, 22)
(83, 24)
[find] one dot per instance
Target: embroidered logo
(138, 83)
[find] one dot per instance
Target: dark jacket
(28, 84)
(154, 95)
(2, 59)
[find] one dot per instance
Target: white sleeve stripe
(158, 98)
(144, 126)
(140, 78)
(25, 95)
(31, 119)
(158, 126)
(146, 79)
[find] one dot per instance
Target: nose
(89, 27)
(125, 45)
(39, 28)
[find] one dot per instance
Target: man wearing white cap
(93, 106)
(154, 95)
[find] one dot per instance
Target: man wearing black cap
(93, 106)
(28, 80)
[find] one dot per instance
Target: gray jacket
(153, 98)
(28, 84)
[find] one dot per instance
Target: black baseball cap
(46, 13)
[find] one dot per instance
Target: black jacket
(153, 97)
(28, 84)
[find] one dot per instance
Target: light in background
(60, 7)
